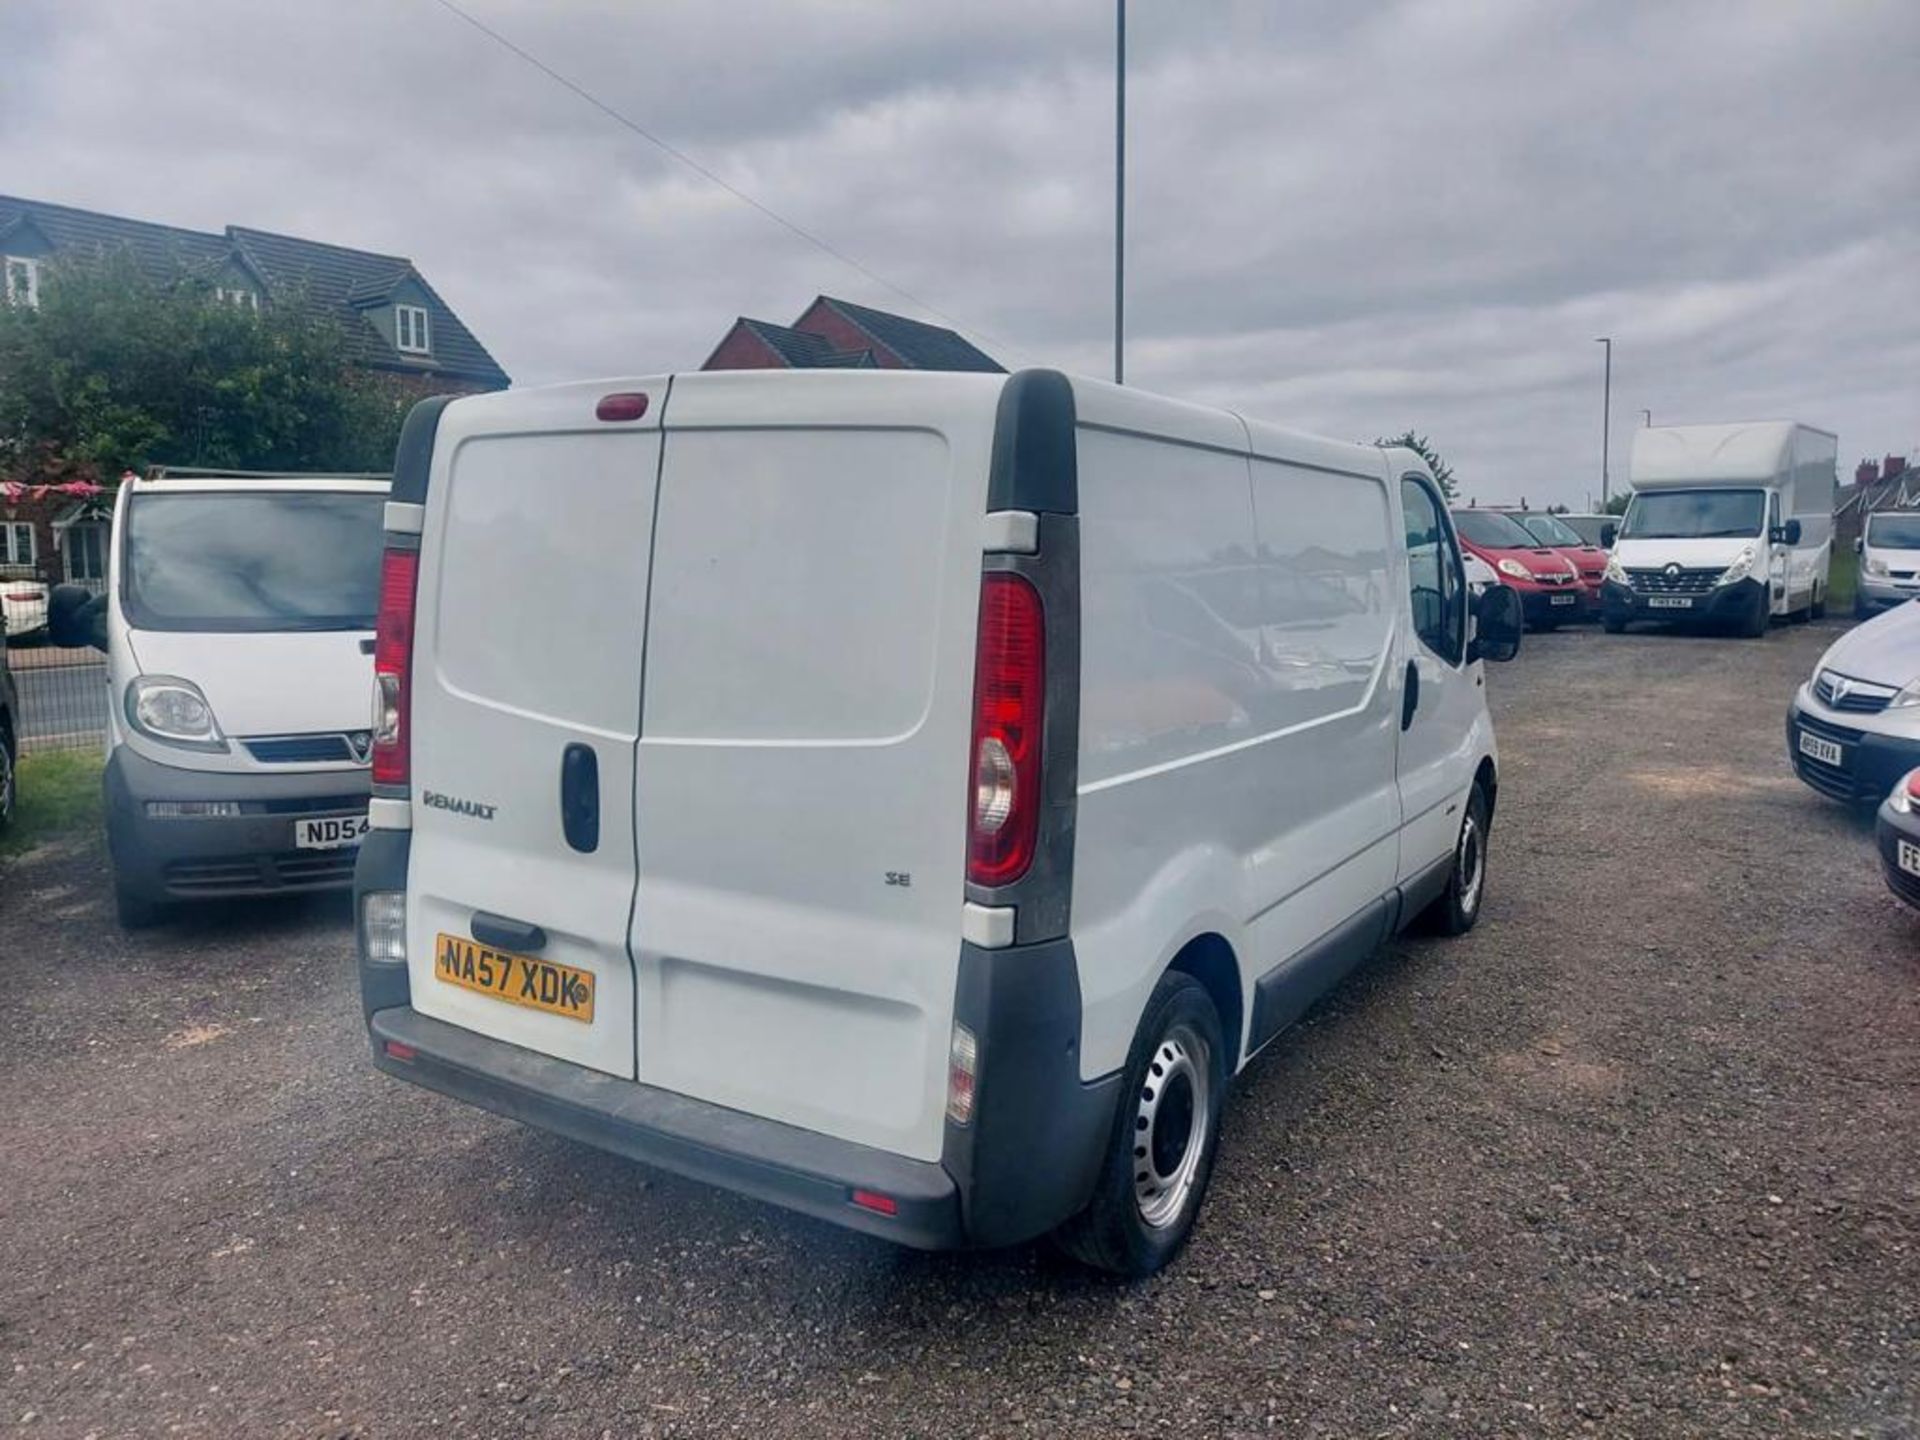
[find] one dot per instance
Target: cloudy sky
(1345, 217)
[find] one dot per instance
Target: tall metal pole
(1606, 417)
(1120, 192)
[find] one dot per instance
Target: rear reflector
(1009, 680)
(399, 1051)
(630, 405)
(392, 659)
(873, 1200)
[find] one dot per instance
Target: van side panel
(801, 801)
(1237, 722)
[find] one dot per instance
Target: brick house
(839, 335)
(395, 322)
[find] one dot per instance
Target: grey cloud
(1346, 218)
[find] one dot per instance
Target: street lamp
(1606, 415)
(1119, 188)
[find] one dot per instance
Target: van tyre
(9, 781)
(1818, 610)
(1165, 1134)
(1613, 624)
(1458, 907)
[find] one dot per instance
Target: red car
(1553, 532)
(1548, 585)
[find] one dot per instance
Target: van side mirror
(1787, 534)
(1608, 534)
(76, 617)
(1859, 544)
(1498, 621)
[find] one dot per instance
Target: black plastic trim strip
(413, 456)
(1035, 463)
(1282, 995)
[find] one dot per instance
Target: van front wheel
(1160, 1155)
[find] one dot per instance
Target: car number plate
(330, 832)
(1827, 752)
(516, 979)
(1669, 602)
(1562, 599)
(1910, 857)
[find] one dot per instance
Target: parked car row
(1853, 734)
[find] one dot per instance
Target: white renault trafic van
(238, 627)
(908, 798)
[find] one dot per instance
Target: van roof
(199, 480)
(1752, 450)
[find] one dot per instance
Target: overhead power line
(667, 148)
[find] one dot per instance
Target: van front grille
(1672, 581)
(239, 874)
(307, 749)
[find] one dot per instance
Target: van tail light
(392, 662)
(1009, 680)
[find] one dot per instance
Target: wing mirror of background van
(1497, 624)
(76, 618)
(1859, 544)
(1787, 534)
(1608, 534)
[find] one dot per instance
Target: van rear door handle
(580, 797)
(1410, 697)
(504, 934)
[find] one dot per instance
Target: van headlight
(1616, 572)
(172, 711)
(1515, 569)
(1909, 695)
(1742, 564)
(1876, 566)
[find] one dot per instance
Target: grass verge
(59, 794)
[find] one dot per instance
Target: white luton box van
(1729, 523)
(908, 798)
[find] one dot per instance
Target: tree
(1617, 504)
(117, 369)
(1420, 446)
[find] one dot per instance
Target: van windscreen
(1695, 514)
(1893, 532)
(298, 560)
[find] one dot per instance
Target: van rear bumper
(1027, 1160)
(782, 1164)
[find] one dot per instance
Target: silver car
(1854, 727)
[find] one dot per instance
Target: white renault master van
(1889, 548)
(908, 798)
(1728, 524)
(238, 627)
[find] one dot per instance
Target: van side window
(1434, 574)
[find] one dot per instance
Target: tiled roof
(922, 346)
(346, 281)
(807, 352)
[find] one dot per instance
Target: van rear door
(530, 627)
(801, 795)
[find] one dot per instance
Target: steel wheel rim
(1171, 1121)
(1473, 865)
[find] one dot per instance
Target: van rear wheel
(1160, 1155)
(1458, 907)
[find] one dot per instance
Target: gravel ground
(1635, 1158)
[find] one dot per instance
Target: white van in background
(238, 627)
(1889, 547)
(916, 795)
(1728, 523)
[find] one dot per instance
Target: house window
(238, 297)
(22, 280)
(410, 329)
(18, 548)
(87, 551)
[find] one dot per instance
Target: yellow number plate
(517, 979)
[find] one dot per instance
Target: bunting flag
(16, 491)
